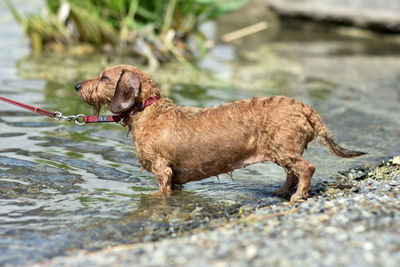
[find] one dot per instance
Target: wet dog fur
(180, 144)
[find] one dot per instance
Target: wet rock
(396, 160)
(381, 16)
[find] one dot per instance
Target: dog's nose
(78, 86)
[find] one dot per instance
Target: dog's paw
(299, 197)
(282, 194)
(161, 193)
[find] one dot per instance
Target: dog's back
(200, 143)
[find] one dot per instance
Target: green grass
(155, 29)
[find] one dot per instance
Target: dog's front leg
(164, 175)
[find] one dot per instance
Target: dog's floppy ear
(126, 92)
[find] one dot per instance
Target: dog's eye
(105, 78)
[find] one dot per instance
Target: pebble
(337, 227)
(251, 252)
(396, 160)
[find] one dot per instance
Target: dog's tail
(326, 138)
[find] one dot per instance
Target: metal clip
(77, 119)
(59, 116)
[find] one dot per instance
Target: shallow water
(64, 187)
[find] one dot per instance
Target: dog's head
(120, 87)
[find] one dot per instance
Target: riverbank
(380, 16)
(352, 219)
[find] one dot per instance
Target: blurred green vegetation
(155, 29)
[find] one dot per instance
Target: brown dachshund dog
(180, 144)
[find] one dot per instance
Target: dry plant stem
(229, 37)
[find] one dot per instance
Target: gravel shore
(351, 220)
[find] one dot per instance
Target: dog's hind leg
(288, 187)
(164, 175)
(303, 170)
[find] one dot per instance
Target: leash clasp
(76, 118)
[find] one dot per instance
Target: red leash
(80, 119)
(28, 107)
